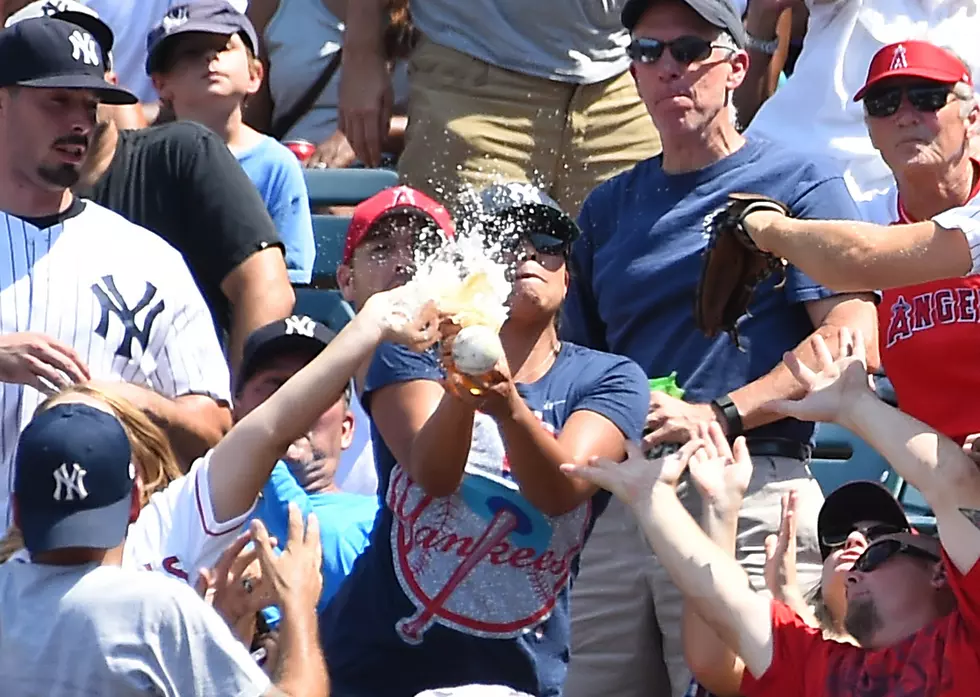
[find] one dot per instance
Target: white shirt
(115, 292)
(842, 37)
(177, 531)
(89, 630)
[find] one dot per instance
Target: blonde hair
(155, 461)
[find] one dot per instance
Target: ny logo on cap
(300, 324)
(899, 61)
(69, 485)
(175, 18)
(84, 48)
(53, 6)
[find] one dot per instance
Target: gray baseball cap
(532, 209)
(720, 13)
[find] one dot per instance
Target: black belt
(778, 447)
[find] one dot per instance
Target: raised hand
(780, 568)
(236, 588)
(28, 358)
(402, 319)
(633, 480)
(294, 575)
(720, 473)
(834, 386)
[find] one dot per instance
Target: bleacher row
(839, 455)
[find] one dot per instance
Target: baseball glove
(733, 265)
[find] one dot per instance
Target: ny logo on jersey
(70, 485)
(84, 48)
(899, 61)
(112, 302)
(300, 324)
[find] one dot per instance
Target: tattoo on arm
(973, 515)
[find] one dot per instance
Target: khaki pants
(472, 124)
(626, 612)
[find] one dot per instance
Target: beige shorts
(626, 612)
(472, 124)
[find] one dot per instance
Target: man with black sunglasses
(634, 273)
(935, 222)
(913, 602)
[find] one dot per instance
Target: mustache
(74, 139)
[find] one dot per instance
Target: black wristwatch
(729, 416)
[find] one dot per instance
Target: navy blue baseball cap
(530, 209)
(70, 11)
(202, 16)
(73, 479)
(294, 334)
(855, 502)
(53, 53)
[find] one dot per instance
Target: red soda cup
(302, 149)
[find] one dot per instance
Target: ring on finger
(248, 584)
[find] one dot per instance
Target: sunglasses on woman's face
(870, 530)
(885, 101)
(542, 243)
(684, 49)
(877, 554)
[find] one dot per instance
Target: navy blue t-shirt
(636, 267)
(472, 587)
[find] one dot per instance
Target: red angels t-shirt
(940, 660)
(928, 336)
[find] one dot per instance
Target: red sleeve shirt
(940, 660)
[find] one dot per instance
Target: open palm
(835, 384)
(721, 473)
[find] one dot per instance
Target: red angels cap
(397, 199)
(915, 59)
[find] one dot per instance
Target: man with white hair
(635, 271)
(812, 112)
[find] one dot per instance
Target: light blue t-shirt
(345, 525)
(277, 175)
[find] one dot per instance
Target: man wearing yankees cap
(85, 294)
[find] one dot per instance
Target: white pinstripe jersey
(116, 293)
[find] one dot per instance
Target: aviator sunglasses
(880, 552)
(885, 101)
(684, 49)
(870, 530)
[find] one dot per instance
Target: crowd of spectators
(620, 505)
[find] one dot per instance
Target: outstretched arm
(242, 461)
(710, 578)
(852, 255)
(935, 465)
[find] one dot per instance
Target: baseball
(476, 349)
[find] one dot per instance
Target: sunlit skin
(540, 283)
(684, 99)
(312, 458)
(46, 135)
(833, 578)
(896, 599)
(199, 67)
(385, 259)
(911, 138)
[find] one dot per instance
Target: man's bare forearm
(364, 27)
(850, 255)
(714, 664)
(779, 383)
(302, 671)
(708, 577)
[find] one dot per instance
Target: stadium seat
(326, 306)
(329, 232)
(839, 456)
(346, 187)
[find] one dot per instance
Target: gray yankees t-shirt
(577, 41)
(105, 631)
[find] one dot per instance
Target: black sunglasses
(870, 530)
(885, 101)
(684, 49)
(542, 243)
(880, 552)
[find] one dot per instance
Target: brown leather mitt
(733, 265)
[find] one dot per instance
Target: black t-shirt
(181, 181)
